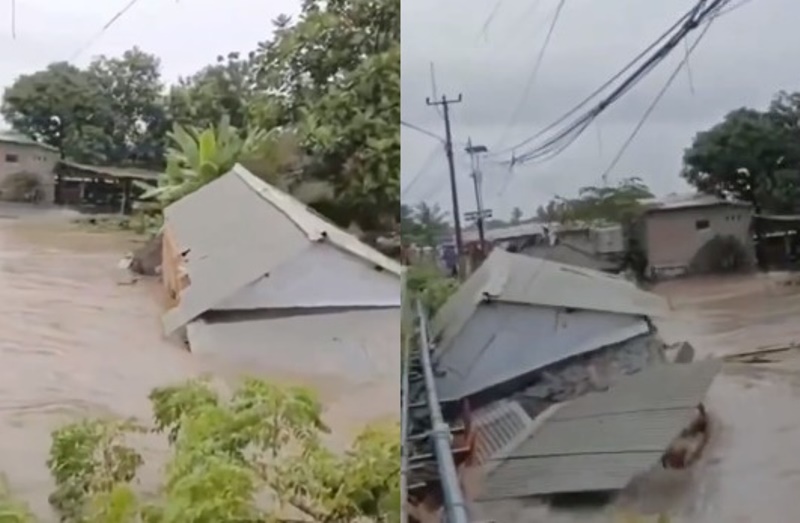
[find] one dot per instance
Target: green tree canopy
(229, 454)
(751, 155)
(424, 224)
(327, 83)
(616, 203)
(336, 73)
(111, 113)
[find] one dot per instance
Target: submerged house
(518, 315)
(258, 277)
(560, 377)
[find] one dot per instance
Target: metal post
(445, 103)
(455, 507)
(477, 180)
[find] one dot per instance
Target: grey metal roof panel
(233, 239)
(314, 225)
(525, 280)
(601, 441)
(645, 431)
(505, 341)
(237, 229)
(659, 387)
(518, 478)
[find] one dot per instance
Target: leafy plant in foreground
(254, 456)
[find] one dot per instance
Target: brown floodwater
(78, 339)
(750, 470)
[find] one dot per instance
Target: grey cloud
(186, 34)
(741, 62)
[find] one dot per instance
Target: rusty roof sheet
(600, 441)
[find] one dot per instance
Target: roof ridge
(281, 200)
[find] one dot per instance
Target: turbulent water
(77, 339)
(750, 471)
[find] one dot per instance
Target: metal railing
(439, 434)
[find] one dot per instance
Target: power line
(655, 102)
(422, 131)
(422, 170)
(111, 21)
(684, 63)
(657, 51)
(534, 73)
(490, 18)
(562, 139)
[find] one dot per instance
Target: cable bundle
(703, 11)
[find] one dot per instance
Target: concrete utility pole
(477, 180)
(448, 147)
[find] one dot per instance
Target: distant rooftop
(20, 139)
(688, 200)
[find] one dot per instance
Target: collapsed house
(598, 443)
(517, 316)
(258, 277)
(523, 336)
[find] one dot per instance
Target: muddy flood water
(750, 470)
(78, 340)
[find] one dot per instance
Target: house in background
(20, 155)
(512, 237)
(258, 277)
(685, 233)
(596, 247)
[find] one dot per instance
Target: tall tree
(111, 113)
(516, 215)
(132, 94)
(610, 203)
(336, 72)
(424, 224)
(221, 89)
(617, 203)
(750, 155)
(59, 106)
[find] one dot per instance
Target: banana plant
(196, 157)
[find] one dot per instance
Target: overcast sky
(744, 59)
(185, 34)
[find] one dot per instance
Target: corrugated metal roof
(21, 139)
(114, 172)
(506, 233)
(570, 255)
(687, 201)
(503, 342)
(520, 279)
(235, 233)
(600, 441)
(315, 226)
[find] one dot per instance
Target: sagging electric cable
(555, 144)
(638, 58)
(534, 73)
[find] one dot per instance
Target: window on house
(12, 158)
(701, 225)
